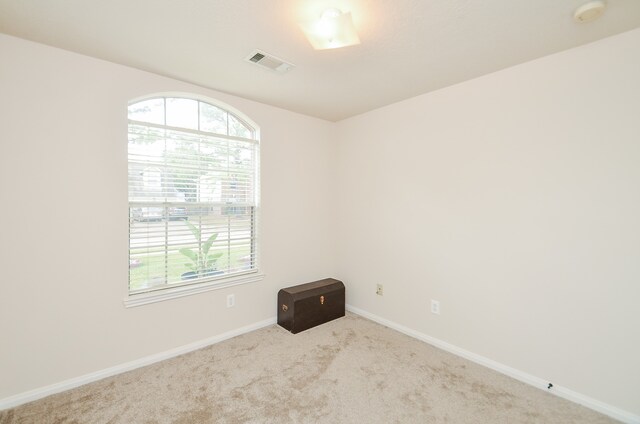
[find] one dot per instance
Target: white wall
(64, 225)
(514, 200)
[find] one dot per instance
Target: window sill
(182, 291)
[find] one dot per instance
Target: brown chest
(307, 305)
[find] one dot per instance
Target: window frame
(181, 290)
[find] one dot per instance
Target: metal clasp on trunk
(322, 300)
(285, 308)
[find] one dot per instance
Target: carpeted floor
(350, 370)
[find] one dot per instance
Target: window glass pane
(182, 167)
(238, 129)
(148, 111)
(214, 154)
(213, 119)
(146, 169)
(214, 237)
(146, 251)
(241, 155)
(210, 186)
(141, 135)
(182, 113)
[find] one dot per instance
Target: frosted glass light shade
(334, 29)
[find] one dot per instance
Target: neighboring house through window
(193, 197)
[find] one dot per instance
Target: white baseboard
(596, 405)
(39, 393)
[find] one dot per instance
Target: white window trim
(140, 299)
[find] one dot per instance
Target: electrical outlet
(231, 300)
(379, 289)
(435, 307)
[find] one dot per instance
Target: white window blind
(193, 191)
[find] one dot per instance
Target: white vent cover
(269, 61)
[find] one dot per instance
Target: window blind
(193, 184)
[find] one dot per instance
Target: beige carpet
(350, 370)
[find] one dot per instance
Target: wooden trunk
(307, 305)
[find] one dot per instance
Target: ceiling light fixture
(590, 11)
(334, 29)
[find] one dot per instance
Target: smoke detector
(590, 11)
(269, 61)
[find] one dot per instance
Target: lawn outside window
(193, 198)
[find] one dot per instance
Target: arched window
(193, 196)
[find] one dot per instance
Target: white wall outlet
(379, 289)
(435, 307)
(231, 300)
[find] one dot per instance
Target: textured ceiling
(409, 47)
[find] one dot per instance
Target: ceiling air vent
(269, 61)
